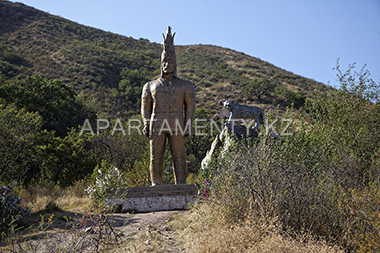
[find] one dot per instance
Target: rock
(155, 198)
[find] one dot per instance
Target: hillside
(108, 70)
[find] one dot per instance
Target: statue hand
(146, 131)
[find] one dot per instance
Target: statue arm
(190, 104)
(146, 108)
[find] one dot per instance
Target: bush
(349, 122)
(258, 88)
(20, 135)
(138, 175)
(297, 99)
(323, 179)
(66, 160)
(55, 102)
(291, 181)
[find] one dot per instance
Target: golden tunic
(168, 104)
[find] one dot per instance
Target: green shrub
(55, 102)
(66, 160)
(20, 135)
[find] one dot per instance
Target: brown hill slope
(108, 70)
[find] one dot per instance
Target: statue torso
(168, 100)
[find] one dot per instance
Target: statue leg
(177, 148)
(157, 149)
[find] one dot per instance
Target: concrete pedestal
(154, 198)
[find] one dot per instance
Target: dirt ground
(80, 232)
(148, 232)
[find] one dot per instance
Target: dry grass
(72, 202)
(204, 231)
(64, 202)
(151, 240)
(279, 243)
(38, 197)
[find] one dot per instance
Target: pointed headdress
(168, 49)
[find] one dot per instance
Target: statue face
(168, 66)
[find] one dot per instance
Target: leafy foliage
(350, 123)
(29, 152)
(66, 160)
(131, 86)
(122, 149)
(20, 134)
(54, 101)
(198, 143)
(297, 99)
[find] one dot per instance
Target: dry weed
(38, 197)
(204, 231)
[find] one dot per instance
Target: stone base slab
(154, 198)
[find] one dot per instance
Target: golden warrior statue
(168, 109)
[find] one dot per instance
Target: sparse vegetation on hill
(109, 69)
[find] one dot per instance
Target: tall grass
(44, 194)
(206, 230)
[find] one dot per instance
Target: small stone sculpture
(168, 109)
(245, 112)
(239, 132)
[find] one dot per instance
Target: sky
(305, 37)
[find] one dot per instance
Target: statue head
(228, 105)
(168, 57)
